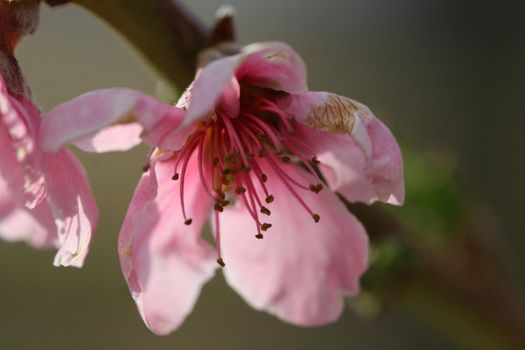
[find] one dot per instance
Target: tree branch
(162, 31)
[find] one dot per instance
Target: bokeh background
(447, 76)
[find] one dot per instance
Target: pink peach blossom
(250, 144)
(45, 198)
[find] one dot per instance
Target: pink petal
(301, 270)
(230, 101)
(359, 156)
(11, 172)
(164, 261)
(35, 226)
(208, 87)
(273, 65)
(73, 206)
(124, 111)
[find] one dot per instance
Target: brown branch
(162, 31)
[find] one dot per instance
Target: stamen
(201, 165)
(266, 211)
(234, 137)
(315, 216)
(316, 188)
(220, 261)
(265, 226)
(147, 166)
(187, 221)
(273, 108)
(267, 131)
(240, 190)
(279, 170)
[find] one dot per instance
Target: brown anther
(220, 262)
(188, 222)
(316, 188)
(145, 168)
(225, 181)
(175, 177)
(224, 203)
(240, 190)
(264, 177)
(316, 217)
(215, 161)
(266, 211)
(259, 236)
(269, 199)
(286, 159)
(265, 226)
(246, 168)
(315, 160)
(221, 195)
(262, 152)
(226, 172)
(218, 207)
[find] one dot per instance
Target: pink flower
(45, 198)
(252, 145)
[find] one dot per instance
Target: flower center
(231, 153)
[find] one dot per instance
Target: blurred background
(447, 76)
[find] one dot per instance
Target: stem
(162, 31)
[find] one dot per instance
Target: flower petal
(307, 267)
(208, 87)
(359, 156)
(124, 111)
(35, 226)
(164, 261)
(73, 206)
(273, 65)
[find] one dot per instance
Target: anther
(221, 195)
(218, 207)
(315, 160)
(240, 190)
(265, 226)
(262, 153)
(188, 222)
(269, 199)
(264, 177)
(266, 211)
(225, 181)
(226, 172)
(259, 236)
(146, 167)
(316, 217)
(175, 177)
(215, 161)
(285, 159)
(316, 188)
(221, 262)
